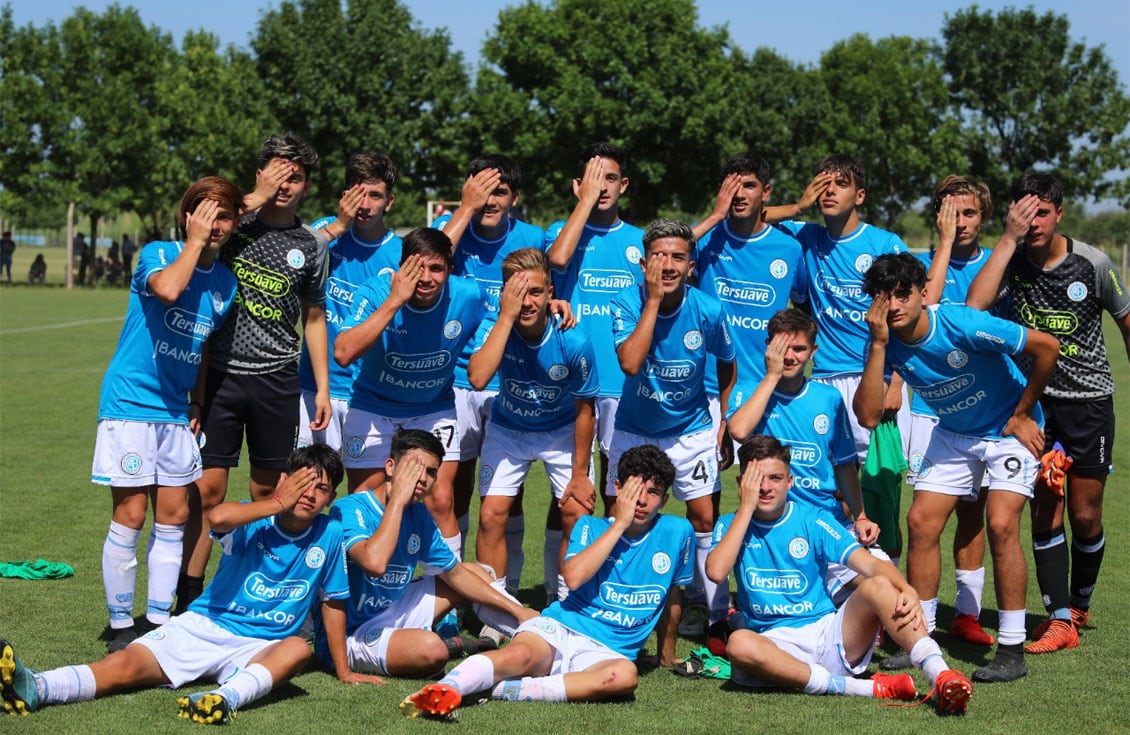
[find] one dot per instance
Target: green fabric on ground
(881, 483)
(38, 569)
(713, 667)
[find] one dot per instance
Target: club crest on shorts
(131, 463)
(778, 268)
(486, 474)
(692, 340)
(355, 446)
(315, 557)
(452, 329)
(798, 547)
(295, 258)
(660, 562)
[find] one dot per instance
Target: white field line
(61, 325)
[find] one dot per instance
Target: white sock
(551, 561)
(475, 674)
(531, 689)
(1011, 630)
(930, 611)
(119, 573)
(818, 680)
(163, 559)
(851, 687)
(717, 595)
(497, 619)
(65, 684)
(454, 543)
(926, 655)
(515, 554)
(970, 586)
(246, 685)
(464, 522)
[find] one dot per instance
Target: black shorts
(1086, 431)
(267, 405)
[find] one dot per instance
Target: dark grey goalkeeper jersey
(1067, 301)
(277, 269)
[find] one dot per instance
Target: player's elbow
(343, 354)
(716, 571)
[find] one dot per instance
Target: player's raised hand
(947, 220)
(726, 193)
(1021, 213)
(478, 188)
(292, 487)
(591, 184)
(349, 203)
(653, 275)
(563, 310)
(877, 319)
(628, 494)
(815, 189)
(775, 355)
(404, 280)
(749, 486)
(269, 178)
(199, 223)
(410, 472)
(513, 295)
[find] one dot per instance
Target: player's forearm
(984, 289)
(333, 623)
(707, 224)
(722, 558)
(868, 401)
(317, 339)
(667, 631)
(746, 419)
(458, 224)
(1044, 351)
(847, 484)
(485, 363)
(581, 567)
(351, 344)
(564, 247)
(472, 587)
(374, 554)
(233, 514)
(632, 352)
(584, 429)
(170, 282)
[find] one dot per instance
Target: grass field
(54, 346)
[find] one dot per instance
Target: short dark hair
(363, 167)
(427, 241)
(762, 446)
(604, 149)
(665, 227)
(408, 439)
(792, 321)
(321, 457)
(647, 462)
(891, 271)
(844, 164)
(1044, 185)
(291, 147)
(746, 163)
(508, 171)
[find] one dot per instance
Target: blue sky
(799, 30)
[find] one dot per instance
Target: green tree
(1031, 97)
(364, 77)
(889, 107)
(641, 74)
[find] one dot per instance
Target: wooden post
(69, 267)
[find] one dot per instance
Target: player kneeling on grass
(388, 530)
(796, 637)
(623, 574)
(240, 632)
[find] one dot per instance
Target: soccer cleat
(896, 662)
(1079, 618)
(968, 628)
(438, 700)
(17, 683)
(1057, 636)
(122, 638)
(206, 708)
(1007, 665)
(694, 622)
(952, 692)
(894, 686)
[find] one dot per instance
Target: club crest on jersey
(315, 557)
(798, 547)
(131, 463)
(1077, 291)
(821, 423)
(295, 258)
(863, 262)
(355, 446)
(558, 372)
(660, 562)
(414, 543)
(217, 300)
(452, 329)
(633, 254)
(778, 268)
(957, 358)
(486, 473)
(692, 340)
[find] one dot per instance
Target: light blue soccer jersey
(961, 370)
(607, 261)
(419, 541)
(410, 370)
(158, 354)
(782, 565)
(539, 382)
(667, 397)
(352, 262)
(835, 267)
(481, 260)
(267, 579)
(959, 276)
(813, 423)
(620, 604)
(754, 277)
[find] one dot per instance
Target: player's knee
(621, 679)
(432, 655)
(747, 649)
(1003, 527)
(922, 524)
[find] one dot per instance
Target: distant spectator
(98, 272)
(112, 251)
(114, 272)
(7, 247)
(81, 250)
(37, 273)
(129, 247)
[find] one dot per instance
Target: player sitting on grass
(387, 531)
(623, 575)
(796, 637)
(241, 632)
